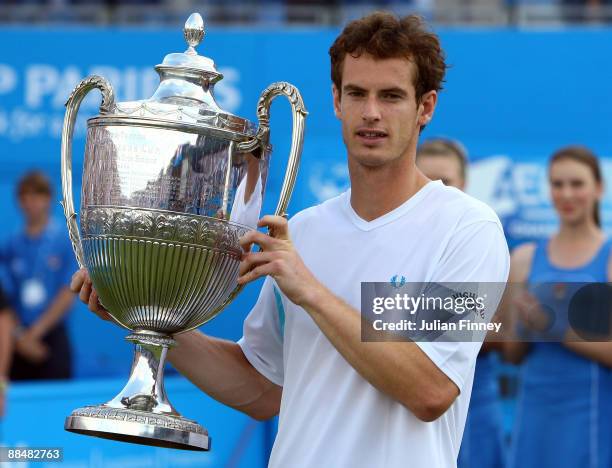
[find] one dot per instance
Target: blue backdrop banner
(512, 97)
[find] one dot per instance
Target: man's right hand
(81, 284)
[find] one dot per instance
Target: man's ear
(336, 96)
(426, 107)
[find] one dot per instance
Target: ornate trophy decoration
(170, 184)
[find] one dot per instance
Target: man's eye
(392, 96)
(355, 93)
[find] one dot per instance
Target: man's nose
(371, 109)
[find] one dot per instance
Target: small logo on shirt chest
(397, 281)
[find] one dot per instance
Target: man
(344, 402)
(482, 446)
(6, 348)
(443, 159)
(39, 261)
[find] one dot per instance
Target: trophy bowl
(170, 184)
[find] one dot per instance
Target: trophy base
(138, 427)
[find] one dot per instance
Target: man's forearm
(399, 369)
(220, 369)
(58, 308)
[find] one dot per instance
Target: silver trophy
(169, 186)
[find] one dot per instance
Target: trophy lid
(185, 97)
(189, 63)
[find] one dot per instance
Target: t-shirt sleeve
(262, 339)
(476, 253)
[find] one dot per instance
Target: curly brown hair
(384, 35)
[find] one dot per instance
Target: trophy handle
(72, 108)
(261, 140)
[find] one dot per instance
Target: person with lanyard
(6, 348)
(483, 439)
(39, 261)
(563, 417)
(345, 402)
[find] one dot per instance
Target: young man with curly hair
(344, 402)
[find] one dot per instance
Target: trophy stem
(145, 389)
(141, 413)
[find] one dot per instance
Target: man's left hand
(278, 259)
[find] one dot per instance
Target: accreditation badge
(33, 293)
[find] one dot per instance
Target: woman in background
(564, 415)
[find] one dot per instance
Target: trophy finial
(194, 32)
